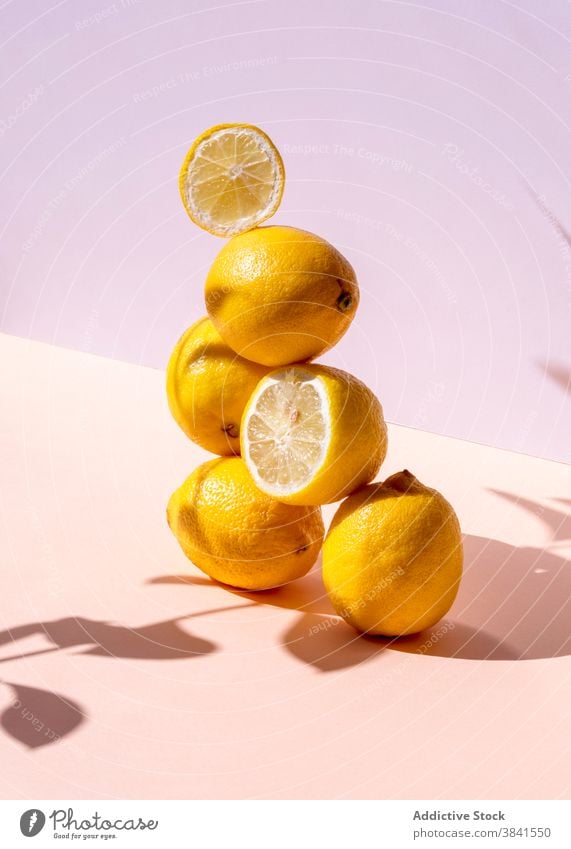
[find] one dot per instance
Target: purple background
(429, 142)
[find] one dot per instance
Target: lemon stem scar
(402, 481)
(344, 301)
(231, 430)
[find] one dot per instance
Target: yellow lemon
(280, 295)
(231, 179)
(238, 535)
(392, 559)
(208, 386)
(311, 434)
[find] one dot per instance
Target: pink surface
(162, 686)
(429, 141)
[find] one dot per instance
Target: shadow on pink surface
(514, 604)
(39, 717)
(522, 596)
(157, 641)
(559, 373)
(557, 523)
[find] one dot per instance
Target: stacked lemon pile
(292, 434)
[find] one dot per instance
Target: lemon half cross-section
(312, 434)
(232, 179)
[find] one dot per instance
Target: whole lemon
(311, 434)
(208, 386)
(392, 559)
(238, 535)
(280, 295)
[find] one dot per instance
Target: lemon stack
(292, 434)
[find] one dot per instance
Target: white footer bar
(287, 824)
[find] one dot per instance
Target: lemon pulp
(287, 430)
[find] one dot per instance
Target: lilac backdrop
(429, 141)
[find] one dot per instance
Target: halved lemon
(312, 434)
(232, 179)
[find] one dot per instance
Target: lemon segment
(311, 434)
(232, 179)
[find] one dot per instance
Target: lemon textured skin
(392, 559)
(238, 535)
(208, 386)
(192, 152)
(358, 438)
(280, 295)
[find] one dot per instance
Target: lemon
(231, 179)
(208, 386)
(238, 535)
(311, 434)
(392, 559)
(279, 295)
